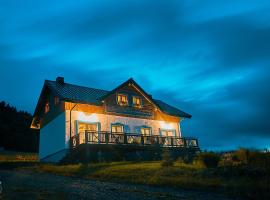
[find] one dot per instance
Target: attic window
(47, 107)
(56, 100)
(122, 100)
(137, 102)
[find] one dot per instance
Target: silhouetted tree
(15, 132)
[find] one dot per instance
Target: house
(69, 115)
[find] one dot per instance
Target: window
(168, 132)
(146, 131)
(56, 100)
(47, 107)
(137, 101)
(122, 99)
(117, 128)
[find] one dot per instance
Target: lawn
(236, 181)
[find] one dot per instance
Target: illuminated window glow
(146, 131)
(117, 128)
(47, 107)
(137, 101)
(168, 133)
(122, 99)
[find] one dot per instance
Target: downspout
(70, 129)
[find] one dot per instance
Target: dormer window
(122, 100)
(137, 102)
(47, 107)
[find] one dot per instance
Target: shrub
(166, 159)
(259, 160)
(242, 155)
(209, 159)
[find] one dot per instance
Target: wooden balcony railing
(101, 137)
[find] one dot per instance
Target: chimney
(60, 80)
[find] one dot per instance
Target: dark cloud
(209, 59)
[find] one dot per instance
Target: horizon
(208, 59)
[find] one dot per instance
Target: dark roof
(75, 93)
(171, 110)
(81, 94)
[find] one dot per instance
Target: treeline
(15, 132)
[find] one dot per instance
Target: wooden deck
(130, 139)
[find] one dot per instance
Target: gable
(112, 106)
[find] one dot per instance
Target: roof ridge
(81, 86)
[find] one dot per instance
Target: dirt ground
(22, 184)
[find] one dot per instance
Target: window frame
(47, 107)
(146, 127)
(118, 124)
(118, 102)
(136, 105)
(56, 100)
(171, 130)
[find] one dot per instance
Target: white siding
(105, 121)
(52, 137)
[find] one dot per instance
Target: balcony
(101, 137)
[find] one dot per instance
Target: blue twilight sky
(208, 58)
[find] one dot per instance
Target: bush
(166, 159)
(242, 155)
(259, 160)
(209, 159)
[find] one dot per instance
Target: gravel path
(24, 185)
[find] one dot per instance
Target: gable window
(56, 100)
(117, 128)
(137, 101)
(122, 100)
(47, 107)
(146, 131)
(167, 133)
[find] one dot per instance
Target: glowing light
(87, 118)
(165, 125)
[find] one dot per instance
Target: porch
(131, 139)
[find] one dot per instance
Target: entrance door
(92, 132)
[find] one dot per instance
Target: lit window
(168, 133)
(146, 131)
(137, 102)
(117, 128)
(47, 107)
(122, 99)
(56, 100)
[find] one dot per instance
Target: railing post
(106, 137)
(125, 138)
(172, 141)
(185, 143)
(142, 140)
(86, 137)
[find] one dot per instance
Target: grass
(232, 181)
(248, 181)
(10, 156)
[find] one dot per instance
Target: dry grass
(10, 156)
(189, 176)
